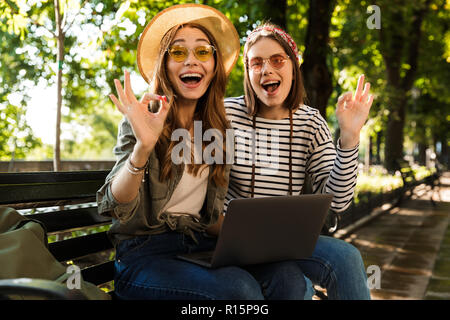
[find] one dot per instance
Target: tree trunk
(367, 155)
(275, 12)
(378, 148)
(422, 156)
(399, 48)
(393, 146)
(317, 77)
(60, 59)
(445, 157)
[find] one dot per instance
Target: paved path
(411, 246)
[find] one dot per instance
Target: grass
(378, 180)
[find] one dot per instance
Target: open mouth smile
(271, 86)
(191, 79)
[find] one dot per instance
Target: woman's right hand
(147, 126)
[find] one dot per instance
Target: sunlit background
(100, 43)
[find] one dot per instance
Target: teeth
(270, 82)
(191, 75)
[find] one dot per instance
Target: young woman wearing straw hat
(273, 100)
(161, 209)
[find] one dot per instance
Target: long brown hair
(297, 93)
(210, 108)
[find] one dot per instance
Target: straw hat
(213, 20)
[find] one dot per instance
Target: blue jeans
(337, 266)
(146, 267)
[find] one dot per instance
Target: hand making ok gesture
(147, 126)
(352, 112)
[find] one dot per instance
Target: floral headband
(283, 34)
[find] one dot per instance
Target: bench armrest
(38, 288)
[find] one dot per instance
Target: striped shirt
(331, 169)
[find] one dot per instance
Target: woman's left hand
(352, 112)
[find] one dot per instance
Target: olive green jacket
(143, 215)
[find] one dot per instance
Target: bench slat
(100, 273)
(80, 246)
(70, 219)
(38, 187)
(51, 176)
(52, 203)
(46, 192)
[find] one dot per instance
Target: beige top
(189, 195)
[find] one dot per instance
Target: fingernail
(165, 99)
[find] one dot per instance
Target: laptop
(268, 229)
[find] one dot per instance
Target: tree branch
(63, 23)
(71, 23)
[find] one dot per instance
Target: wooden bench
(60, 192)
(408, 178)
(433, 182)
(76, 232)
(410, 182)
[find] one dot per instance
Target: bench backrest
(65, 190)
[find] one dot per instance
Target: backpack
(24, 257)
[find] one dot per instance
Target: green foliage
(16, 138)
(377, 180)
(102, 40)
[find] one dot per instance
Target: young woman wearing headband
(162, 209)
(273, 100)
